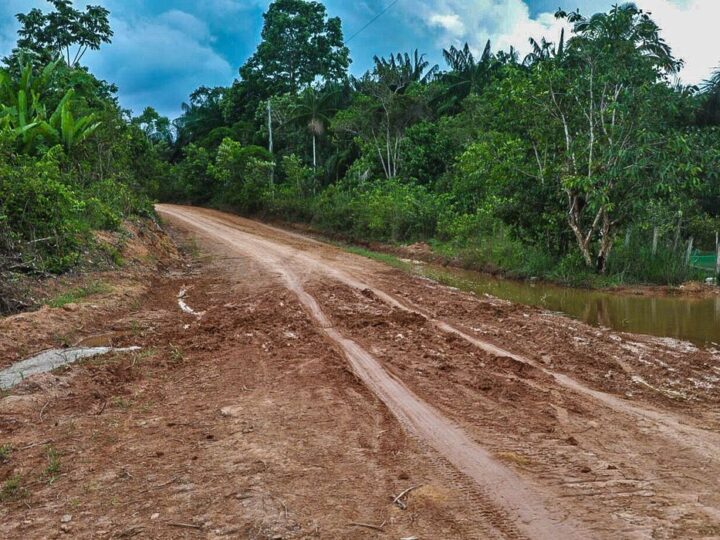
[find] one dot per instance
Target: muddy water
(692, 319)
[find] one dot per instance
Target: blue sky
(164, 49)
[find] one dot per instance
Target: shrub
(243, 175)
(43, 214)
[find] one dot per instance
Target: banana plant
(63, 128)
(23, 113)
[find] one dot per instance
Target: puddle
(696, 320)
(49, 360)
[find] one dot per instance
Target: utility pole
(269, 110)
(270, 142)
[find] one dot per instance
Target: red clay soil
(318, 385)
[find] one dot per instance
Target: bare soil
(317, 386)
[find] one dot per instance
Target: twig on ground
(160, 485)
(35, 444)
(399, 499)
(184, 525)
(42, 411)
(368, 525)
(102, 408)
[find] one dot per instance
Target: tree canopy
(64, 31)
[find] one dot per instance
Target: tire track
(703, 442)
(510, 505)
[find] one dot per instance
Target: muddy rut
(519, 510)
(513, 505)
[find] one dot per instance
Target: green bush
(243, 176)
(43, 214)
(380, 210)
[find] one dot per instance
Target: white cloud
(690, 28)
(452, 24)
(505, 22)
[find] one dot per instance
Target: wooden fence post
(717, 258)
(655, 241)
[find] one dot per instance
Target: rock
(232, 412)
(67, 518)
(155, 515)
(71, 307)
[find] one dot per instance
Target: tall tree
(201, 115)
(65, 32)
(388, 100)
(300, 45)
(608, 99)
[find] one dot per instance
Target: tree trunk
(689, 250)
(606, 243)
(574, 222)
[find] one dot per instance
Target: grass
(5, 451)
(120, 403)
(12, 489)
(73, 295)
(176, 354)
(386, 258)
(629, 265)
(53, 467)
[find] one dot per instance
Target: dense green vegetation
(580, 160)
(71, 159)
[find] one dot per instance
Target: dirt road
(300, 389)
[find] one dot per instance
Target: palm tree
(511, 56)
(708, 113)
(314, 110)
(400, 70)
(544, 50)
(467, 74)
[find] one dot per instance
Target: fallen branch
(368, 526)
(38, 240)
(399, 499)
